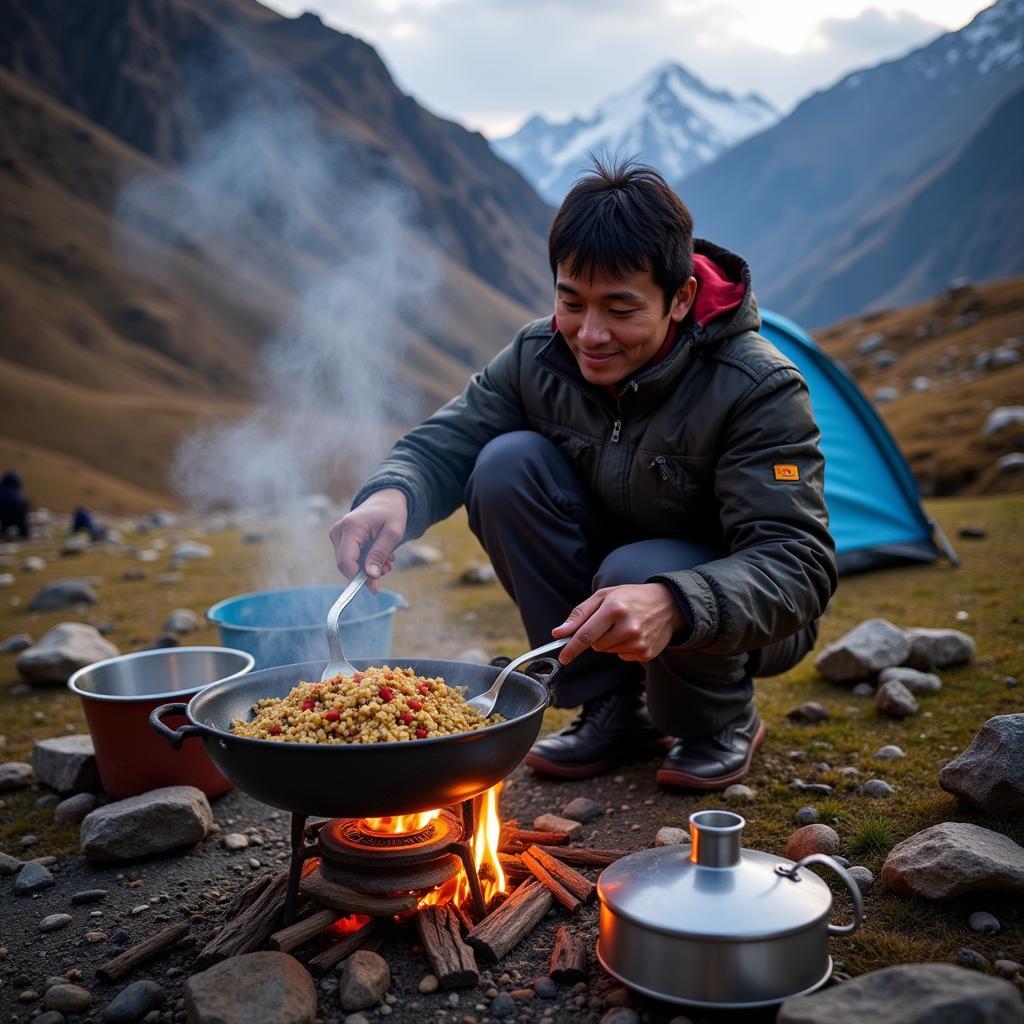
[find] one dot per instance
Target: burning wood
(295, 935)
(450, 958)
(545, 877)
(370, 936)
(131, 958)
(497, 933)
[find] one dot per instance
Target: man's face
(614, 325)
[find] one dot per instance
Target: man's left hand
(635, 621)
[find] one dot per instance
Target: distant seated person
(13, 507)
(81, 521)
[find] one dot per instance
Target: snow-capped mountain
(668, 119)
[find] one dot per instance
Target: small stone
(737, 793)
(894, 700)
(849, 772)
(503, 1005)
(863, 689)
(621, 1015)
(9, 865)
(863, 877)
(15, 775)
(73, 810)
(521, 995)
(670, 836)
(554, 823)
(89, 896)
(915, 681)
(54, 921)
(890, 752)
(32, 878)
(234, 841)
(93, 937)
(545, 988)
(26, 841)
(971, 958)
(363, 980)
(1006, 968)
(983, 923)
(819, 788)
(49, 1017)
(938, 648)
(581, 808)
(133, 1002)
(63, 650)
(878, 789)
(806, 816)
(809, 713)
(478, 573)
(428, 983)
(15, 644)
(66, 764)
(868, 647)
(67, 999)
(140, 909)
(255, 988)
(990, 773)
(182, 621)
(810, 839)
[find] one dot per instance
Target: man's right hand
(367, 537)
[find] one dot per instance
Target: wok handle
(173, 736)
(850, 883)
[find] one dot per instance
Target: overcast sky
(490, 64)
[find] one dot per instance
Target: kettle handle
(849, 881)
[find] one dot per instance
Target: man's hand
(634, 621)
(367, 537)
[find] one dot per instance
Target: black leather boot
(717, 760)
(612, 728)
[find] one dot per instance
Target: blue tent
(873, 503)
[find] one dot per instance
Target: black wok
(360, 780)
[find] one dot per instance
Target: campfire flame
(401, 824)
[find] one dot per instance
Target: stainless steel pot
(715, 925)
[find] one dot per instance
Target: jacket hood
(725, 303)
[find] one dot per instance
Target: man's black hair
(622, 218)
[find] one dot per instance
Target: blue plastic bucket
(286, 627)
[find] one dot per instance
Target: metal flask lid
(714, 889)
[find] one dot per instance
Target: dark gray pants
(541, 529)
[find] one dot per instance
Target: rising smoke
(278, 201)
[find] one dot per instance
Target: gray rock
(478, 573)
(984, 924)
(553, 823)
(1002, 417)
(582, 808)
(34, 564)
(151, 823)
(133, 1002)
(621, 1015)
(871, 343)
(886, 394)
(190, 551)
(849, 772)
(812, 839)
(363, 980)
(88, 896)
(916, 682)
(181, 621)
(545, 988)
(938, 648)
(73, 810)
(409, 556)
(62, 651)
(990, 773)
(818, 788)
(33, 877)
(52, 922)
(62, 594)
(15, 644)
(864, 689)
(879, 789)
(971, 959)
(865, 649)
(1011, 462)
(48, 800)
(235, 841)
(503, 1005)
(909, 994)
(15, 775)
(862, 876)
(809, 713)
(890, 752)
(669, 836)
(255, 988)
(67, 999)
(49, 1017)
(894, 700)
(66, 763)
(1006, 968)
(737, 793)
(9, 865)
(806, 816)
(952, 858)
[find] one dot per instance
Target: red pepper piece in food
(387, 694)
(332, 715)
(421, 734)
(389, 676)
(415, 704)
(407, 719)
(357, 677)
(275, 730)
(308, 705)
(423, 688)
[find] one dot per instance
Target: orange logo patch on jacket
(786, 472)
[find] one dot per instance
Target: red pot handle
(173, 736)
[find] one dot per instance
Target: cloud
(874, 31)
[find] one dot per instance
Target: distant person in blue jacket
(13, 506)
(81, 520)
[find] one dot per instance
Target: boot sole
(587, 771)
(683, 780)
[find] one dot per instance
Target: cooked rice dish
(380, 705)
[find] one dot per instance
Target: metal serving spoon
(339, 664)
(484, 702)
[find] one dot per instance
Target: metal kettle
(716, 925)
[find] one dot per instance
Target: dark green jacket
(701, 446)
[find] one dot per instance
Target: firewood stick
(244, 897)
(464, 919)
(568, 958)
(582, 888)
(131, 958)
(451, 960)
(348, 901)
(586, 856)
(497, 933)
(528, 836)
(302, 931)
(251, 928)
(345, 947)
(555, 887)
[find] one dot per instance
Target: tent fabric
(874, 506)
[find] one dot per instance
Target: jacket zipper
(616, 431)
(660, 463)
